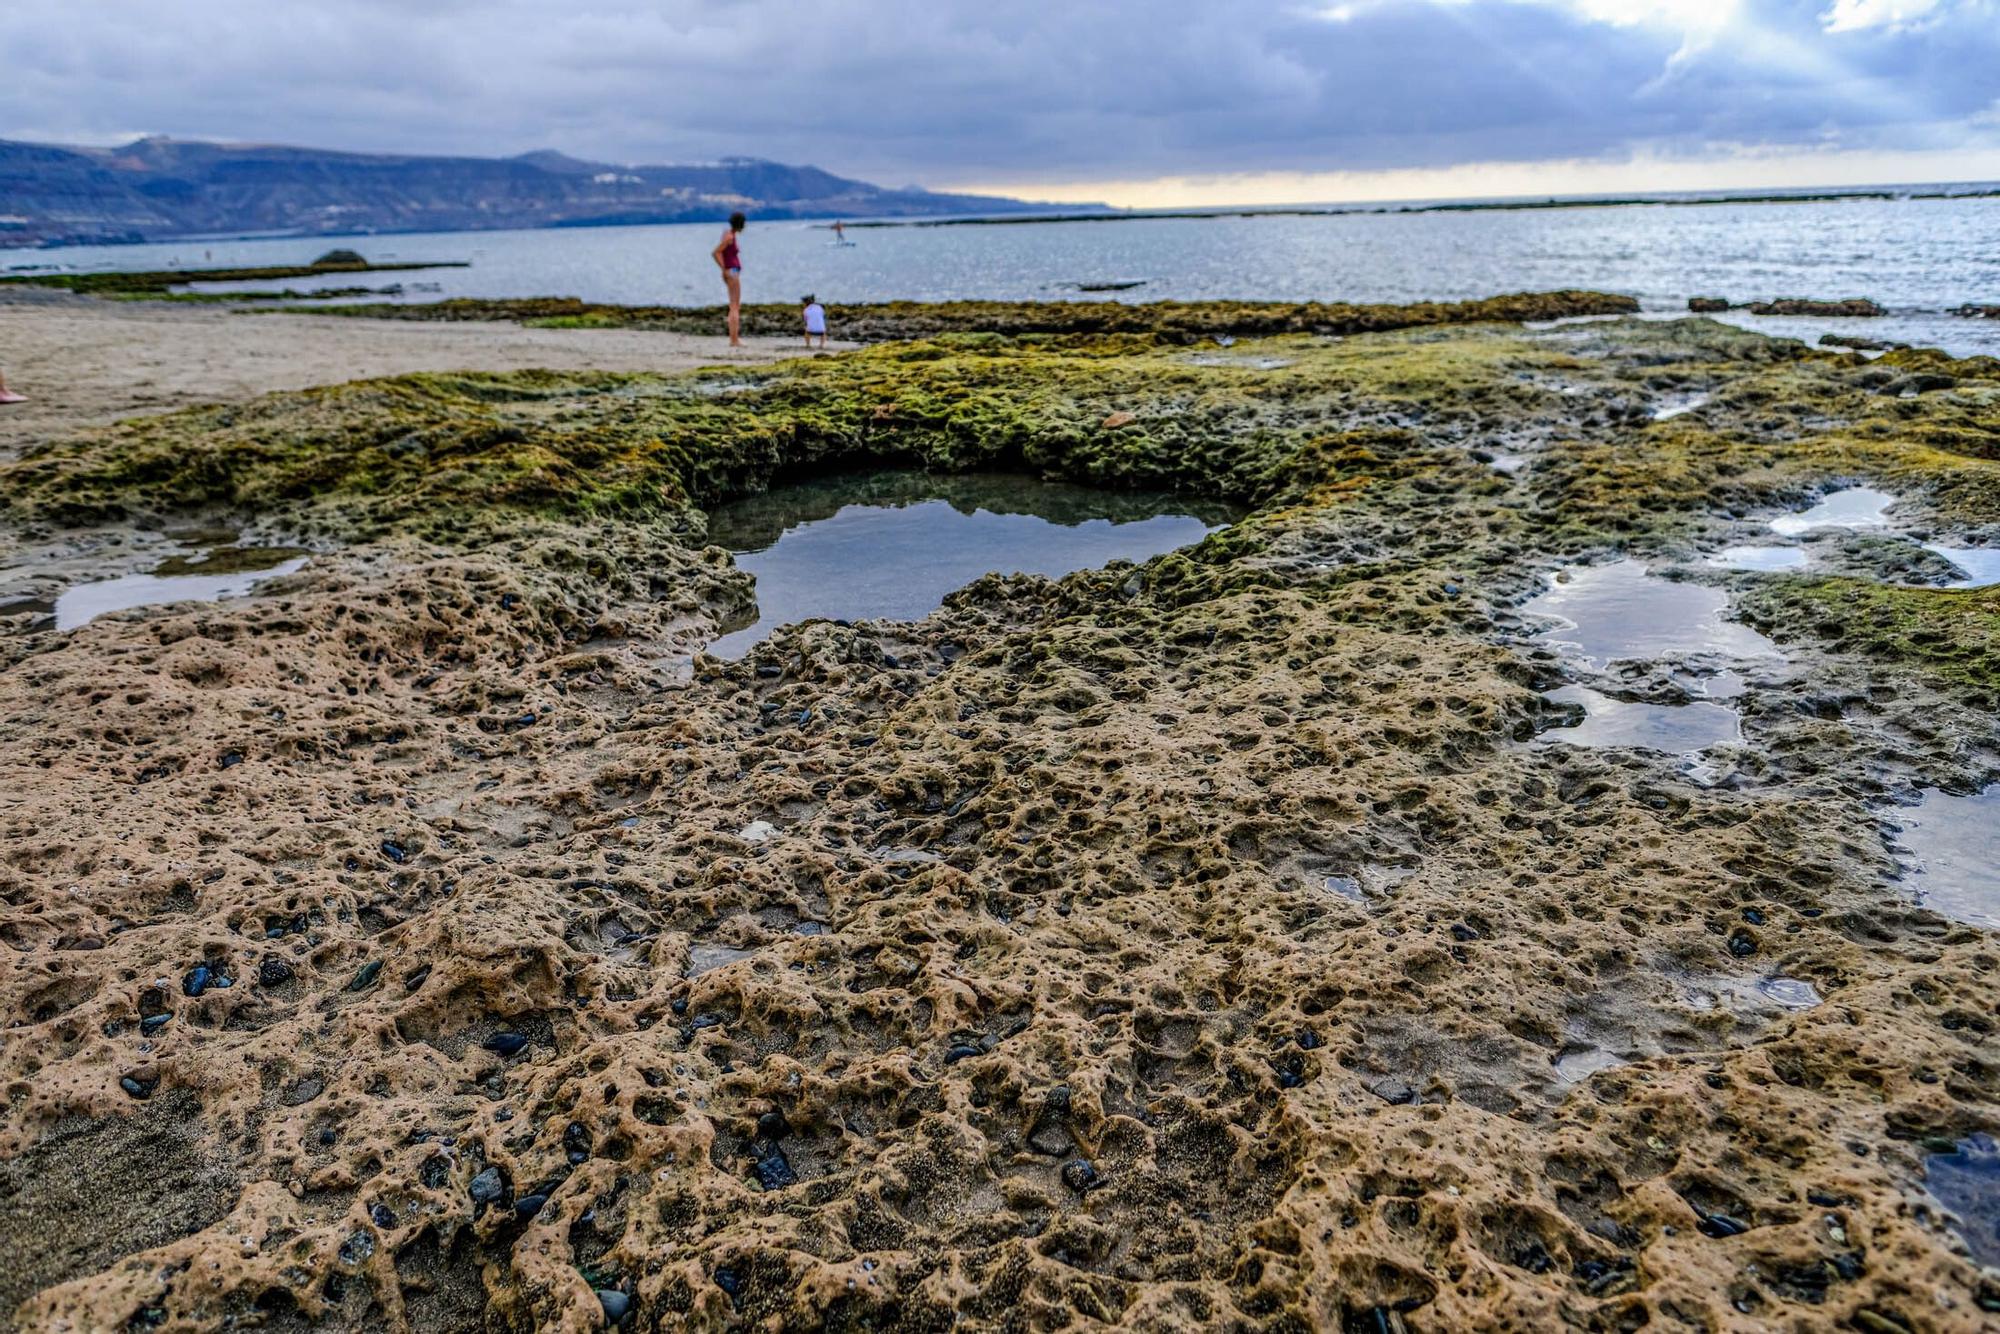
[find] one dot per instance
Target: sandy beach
(84, 361)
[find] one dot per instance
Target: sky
(1133, 102)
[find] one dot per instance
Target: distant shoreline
(1466, 206)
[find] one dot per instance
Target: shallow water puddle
(1851, 507)
(890, 545)
(1620, 613)
(1677, 405)
(1677, 729)
(1955, 844)
(1578, 1064)
(1509, 463)
(1968, 1183)
(1979, 565)
(1759, 560)
(226, 573)
(707, 958)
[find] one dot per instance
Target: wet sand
(435, 941)
(84, 361)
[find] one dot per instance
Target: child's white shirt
(816, 318)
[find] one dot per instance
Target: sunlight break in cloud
(1860, 15)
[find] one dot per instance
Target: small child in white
(815, 320)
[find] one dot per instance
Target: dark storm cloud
(933, 90)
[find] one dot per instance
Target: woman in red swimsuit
(730, 260)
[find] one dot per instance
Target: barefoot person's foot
(6, 397)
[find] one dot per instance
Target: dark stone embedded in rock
(959, 1052)
(1742, 944)
(1308, 1040)
(1393, 1091)
(728, 1280)
(141, 1089)
(1462, 933)
(1290, 1079)
(505, 1044)
(197, 980)
(232, 759)
(153, 1023)
(383, 1216)
(576, 1142)
(528, 1206)
(773, 1126)
(616, 1304)
(1721, 1225)
(395, 852)
(1752, 916)
(368, 973)
(1081, 1175)
(774, 1170)
(273, 972)
(487, 1186)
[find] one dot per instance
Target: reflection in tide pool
(1684, 729)
(1955, 842)
(1620, 613)
(1759, 560)
(1968, 1183)
(1853, 507)
(1979, 565)
(891, 545)
(237, 570)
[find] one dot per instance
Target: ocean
(1917, 257)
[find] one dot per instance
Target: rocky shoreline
(438, 939)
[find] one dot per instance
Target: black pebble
(727, 1280)
(1752, 916)
(576, 1142)
(197, 980)
(1742, 944)
(366, 975)
(1308, 1039)
(274, 972)
(505, 1044)
(1461, 932)
(773, 1126)
(774, 1170)
(680, 1005)
(231, 760)
(528, 1206)
(1080, 1175)
(153, 1023)
(960, 1052)
(395, 852)
(383, 1215)
(138, 1088)
(487, 1186)
(616, 1304)
(1722, 1225)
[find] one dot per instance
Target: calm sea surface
(1917, 257)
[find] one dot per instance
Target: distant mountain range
(157, 188)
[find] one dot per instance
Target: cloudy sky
(1135, 101)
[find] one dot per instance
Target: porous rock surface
(991, 971)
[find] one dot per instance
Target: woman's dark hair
(736, 222)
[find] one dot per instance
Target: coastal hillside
(157, 187)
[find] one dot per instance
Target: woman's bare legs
(734, 283)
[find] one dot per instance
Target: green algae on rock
(879, 321)
(1194, 944)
